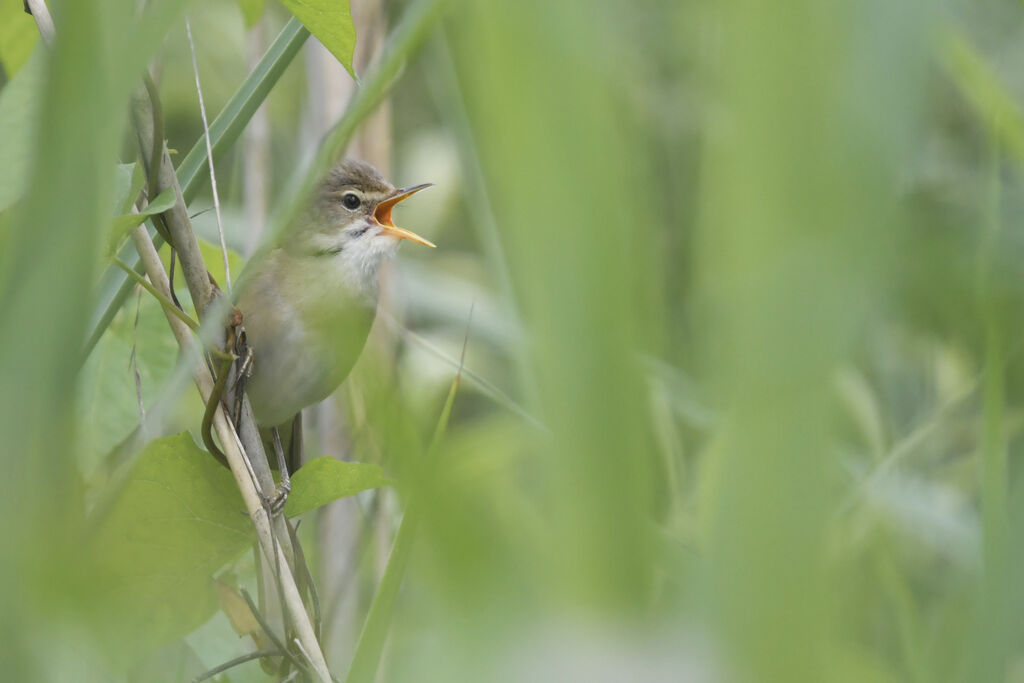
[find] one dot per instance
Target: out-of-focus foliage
(252, 10)
(176, 519)
(19, 102)
(18, 37)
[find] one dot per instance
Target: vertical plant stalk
(366, 660)
(240, 468)
(993, 445)
(990, 652)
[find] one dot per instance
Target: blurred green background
(742, 366)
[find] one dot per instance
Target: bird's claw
(276, 502)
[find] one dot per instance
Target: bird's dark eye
(351, 200)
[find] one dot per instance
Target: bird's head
(351, 217)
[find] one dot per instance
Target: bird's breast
(304, 340)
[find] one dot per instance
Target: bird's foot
(276, 502)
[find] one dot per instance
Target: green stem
(168, 305)
(990, 652)
(261, 654)
(993, 443)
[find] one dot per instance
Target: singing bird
(308, 304)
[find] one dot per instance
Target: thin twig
(209, 155)
(259, 654)
(298, 644)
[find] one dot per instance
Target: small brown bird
(308, 304)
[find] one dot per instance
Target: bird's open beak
(383, 215)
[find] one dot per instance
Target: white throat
(360, 261)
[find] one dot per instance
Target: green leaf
(19, 102)
(123, 224)
(18, 36)
(106, 400)
(107, 405)
(252, 10)
(212, 258)
(323, 480)
(177, 519)
(128, 181)
(215, 261)
(331, 22)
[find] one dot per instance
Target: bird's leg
(295, 443)
(242, 375)
(244, 372)
(284, 486)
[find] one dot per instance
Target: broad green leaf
(108, 409)
(19, 102)
(177, 519)
(252, 10)
(123, 224)
(175, 663)
(331, 22)
(107, 403)
(323, 480)
(18, 36)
